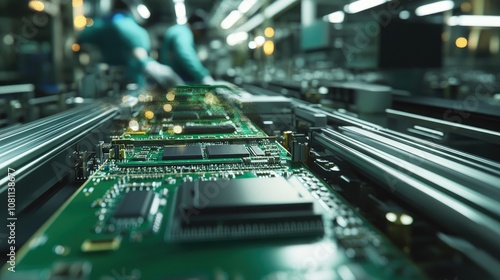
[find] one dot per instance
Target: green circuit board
(193, 190)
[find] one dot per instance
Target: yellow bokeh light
(36, 5)
(177, 129)
(80, 21)
(149, 114)
(167, 108)
(77, 3)
(75, 47)
(268, 47)
(170, 96)
(269, 32)
(461, 42)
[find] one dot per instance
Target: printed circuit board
(192, 189)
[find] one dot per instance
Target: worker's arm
(163, 75)
(186, 53)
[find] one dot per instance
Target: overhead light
(182, 20)
(361, 5)
(252, 45)
(77, 3)
(236, 38)
(180, 11)
(143, 11)
(404, 15)
(79, 22)
(36, 5)
(277, 6)
(434, 8)
(461, 42)
(481, 21)
(250, 24)
(259, 40)
(231, 19)
(269, 32)
(246, 5)
(269, 12)
(268, 47)
(336, 17)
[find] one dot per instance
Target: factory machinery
(215, 182)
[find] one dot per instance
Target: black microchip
(243, 208)
(183, 116)
(256, 151)
(225, 151)
(209, 129)
(134, 204)
(182, 152)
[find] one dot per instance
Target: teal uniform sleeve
(117, 37)
(184, 49)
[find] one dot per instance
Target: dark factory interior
(249, 139)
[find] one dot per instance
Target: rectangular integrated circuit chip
(243, 208)
(209, 129)
(182, 116)
(256, 151)
(182, 152)
(226, 151)
(133, 205)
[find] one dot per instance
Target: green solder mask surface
(96, 236)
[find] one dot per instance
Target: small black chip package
(182, 152)
(227, 151)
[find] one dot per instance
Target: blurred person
(121, 41)
(178, 49)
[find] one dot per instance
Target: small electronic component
(134, 205)
(140, 157)
(226, 151)
(209, 129)
(182, 152)
(101, 244)
(77, 270)
(182, 116)
(239, 210)
(155, 129)
(256, 151)
(212, 116)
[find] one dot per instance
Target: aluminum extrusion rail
(464, 203)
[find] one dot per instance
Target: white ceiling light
(481, 21)
(277, 7)
(246, 5)
(434, 8)
(259, 40)
(404, 15)
(143, 11)
(180, 11)
(361, 5)
(236, 38)
(271, 10)
(231, 19)
(336, 17)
